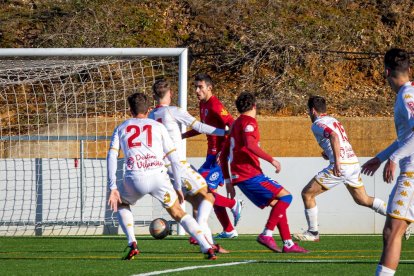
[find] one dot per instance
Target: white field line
(192, 268)
(261, 261)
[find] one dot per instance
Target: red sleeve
(224, 156)
(327, 132)
(254, 148)
(225, 116)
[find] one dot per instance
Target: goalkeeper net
(57, 116)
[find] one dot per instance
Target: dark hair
(204, 77)
(318, 103)
(397, 60)
(139, 104)
(245, 102)
(160, 88)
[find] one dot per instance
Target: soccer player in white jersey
(343, 168)
(144, 143)
(400, 212)
(194, 185)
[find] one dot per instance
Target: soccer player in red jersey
(242, 153)
(213, 113)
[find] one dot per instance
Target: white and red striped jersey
(144, 143)
(322, 128)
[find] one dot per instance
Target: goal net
(58, 109)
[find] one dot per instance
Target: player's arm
(111, 158)
(185, 118)
(224, 163)
(405, 149)
(190, 133)
(336, 148)
(372, 165)
(252, 145)
(225, 117)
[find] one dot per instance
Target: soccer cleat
(130, 251)
(269, 242)
(306, 236)
(295, 248)
(227, 235)
(407, 233)
(236, 210)
(192, 241)
(219, 249)
(211, 254)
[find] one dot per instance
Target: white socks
(194, 229)
(312, 218)
(126, 220)
(288, 243)
(268, 233)
(384, 271)
(204, 210)
(379, 206)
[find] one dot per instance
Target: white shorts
(156, 183)
(192, 182)
(401, 201)
(350, 175)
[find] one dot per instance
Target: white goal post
(58, 108)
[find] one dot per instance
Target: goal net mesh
(56, 119)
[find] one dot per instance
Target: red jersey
(244, 164)
(214, 114)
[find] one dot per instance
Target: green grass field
(334, 255)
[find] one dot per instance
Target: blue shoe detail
(237, 211)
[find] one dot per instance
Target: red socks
(278, 217)
(220, 205)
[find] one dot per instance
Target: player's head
(204, 86)
(397, 61)
(316, 106)
(397, 66)
(138, 104)
(160, 88)
(246, 101)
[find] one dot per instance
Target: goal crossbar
(182, 53)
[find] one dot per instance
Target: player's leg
(309, 194)
(392, 235)
(360, 197)
(263, 191)
(220, 205)
(355, 186)
(126, 221)
(278, 215)
(214, 177)
(162, 190)
(129, 195)
(205, 205)
(194, 204)
(192, 227)
(195, 189)
(206, 200)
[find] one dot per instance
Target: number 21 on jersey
(136, 132)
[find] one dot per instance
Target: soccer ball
(159, 228)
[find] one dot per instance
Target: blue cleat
(236, 210)
(227, 235)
